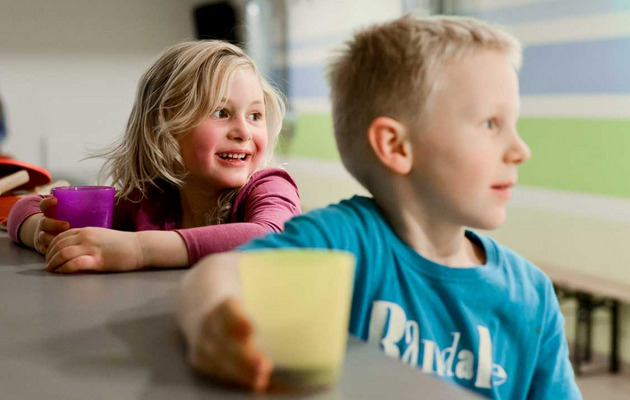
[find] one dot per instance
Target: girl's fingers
(62, 251)
(63, 239)
(48, 205)
(43, 242)
(53, 225)
(81, 263)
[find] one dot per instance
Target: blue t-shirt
(496, 328)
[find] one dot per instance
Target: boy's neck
(430, 235)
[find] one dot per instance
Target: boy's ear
(389, 140)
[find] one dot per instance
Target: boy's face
(467, 152)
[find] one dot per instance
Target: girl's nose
(239, 130)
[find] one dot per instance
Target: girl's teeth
(233, 156)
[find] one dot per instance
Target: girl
(203, 122)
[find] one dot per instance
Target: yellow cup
(299, 301)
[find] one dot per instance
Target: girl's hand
(94, 249)
(48, 227)
(224, 349)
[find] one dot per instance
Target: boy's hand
(225, 350)
(94, 249)
(48, 227)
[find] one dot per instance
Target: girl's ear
(389, 140)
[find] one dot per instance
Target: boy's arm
(553, 375)
(217, 332)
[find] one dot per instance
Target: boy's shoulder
(356, 210)
(513, 263)
(343, 226)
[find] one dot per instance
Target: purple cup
(84, 206)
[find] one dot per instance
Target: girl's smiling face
(226, 148)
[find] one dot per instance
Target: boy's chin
(490, 224)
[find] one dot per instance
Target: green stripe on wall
(313, 138)
(580, 155)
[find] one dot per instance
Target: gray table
(113, 336)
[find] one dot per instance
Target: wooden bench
(591, 293)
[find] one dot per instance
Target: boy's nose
(239, 130)
(519, 152)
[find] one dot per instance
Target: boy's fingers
(228, 321)
(226, 349)
(234, 363)
(235, 322)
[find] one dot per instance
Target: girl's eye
(255, 116)
(220, 113)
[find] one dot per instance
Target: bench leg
(588, 325)
(614, 337)
(578, 348)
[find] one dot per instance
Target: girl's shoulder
(270, 178)
(268, 183)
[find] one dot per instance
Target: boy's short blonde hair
(180, 90)
(391, 70)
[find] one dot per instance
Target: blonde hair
(181, 89)
(391, 70)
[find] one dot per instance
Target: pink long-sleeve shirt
(267, 200)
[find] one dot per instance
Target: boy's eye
(220, 113)
(489, 124)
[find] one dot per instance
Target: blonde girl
(188, 170)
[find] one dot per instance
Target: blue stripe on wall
(308, 81)
(551, 10)
(311, 43)
(587, 67)
(599, 66)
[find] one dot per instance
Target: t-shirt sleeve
(326, 228)
(21, 210)
(265, 206)
(553, 375)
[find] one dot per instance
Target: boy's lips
(503, 189)
(506, 185)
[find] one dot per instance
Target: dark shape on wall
(218, 21)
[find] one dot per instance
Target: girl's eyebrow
(253, 103)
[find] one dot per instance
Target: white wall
(69, 69)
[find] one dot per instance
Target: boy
(425, 114)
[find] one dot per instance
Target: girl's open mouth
(233, 156)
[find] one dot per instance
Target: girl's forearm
(28, 228)
(165, 249)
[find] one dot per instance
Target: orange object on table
(38, 176)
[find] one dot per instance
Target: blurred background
(69, 69)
